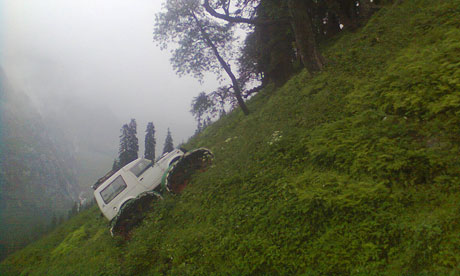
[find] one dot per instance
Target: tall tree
(129, 144)
(299, 17)
(302, 25)
(169, 145)
(133, 142)
(150, 142)
(268, 54)
(123, 151)
(307, 19)
(203, 44)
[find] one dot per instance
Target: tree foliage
(129, 144)
(283, 37)
(285, 33)
(206, 107)
(168, 145)
(297, 12)
(200, 106)
(268, 54)
(150, 142)
(193, 55)
(203, 44)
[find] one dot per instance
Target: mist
(101, 54)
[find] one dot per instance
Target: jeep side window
(141, 167)
(114, 188)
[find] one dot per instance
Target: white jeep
(123, 195)
(137, 177)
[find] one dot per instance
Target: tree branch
(225, 66)
(252, 91)
(239, 19)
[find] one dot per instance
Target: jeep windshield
(140, 167)
(114, 188)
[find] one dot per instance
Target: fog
(99, 52)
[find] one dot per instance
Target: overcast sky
(100, 51)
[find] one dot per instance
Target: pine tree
(123, 154)
(169, 146)
(133, 142)
(129, 145)
(150, 142)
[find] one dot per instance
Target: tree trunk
(228, 70)
(304, 36)
(225, 66)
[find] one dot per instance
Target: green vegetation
(33, 169)
(150, 142)
(352, 171)
(129, 145)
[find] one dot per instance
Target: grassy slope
(353, 171)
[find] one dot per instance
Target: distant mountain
(53, 148)
(38, 173)
(88, 131)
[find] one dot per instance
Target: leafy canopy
(182, 24)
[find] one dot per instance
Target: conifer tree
(169, 145)
(123, 154)
(133, 142)
(129, 145)
(150, 142)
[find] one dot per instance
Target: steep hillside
(354, 171)
(37, 174)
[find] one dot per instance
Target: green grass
(354, 171)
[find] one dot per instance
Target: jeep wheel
(132, 213)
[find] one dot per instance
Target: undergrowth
(353, 171)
